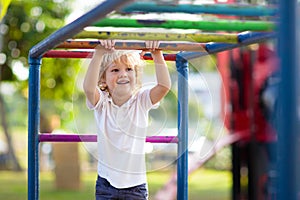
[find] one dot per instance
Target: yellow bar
(191, 37)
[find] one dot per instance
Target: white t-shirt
(121, 138)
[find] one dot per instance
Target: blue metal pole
(288, 125)
(33, 128)
(182, 162)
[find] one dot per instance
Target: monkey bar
(49, 137)
(220, 9)
(213, 25)
(130, 45)
(191, 37)
(194, 49)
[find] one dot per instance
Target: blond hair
(128, 57)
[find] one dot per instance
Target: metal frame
(182, 152)
(213, 25)
(288, 126)
(35, 55)
(288, 130)
(220, 9)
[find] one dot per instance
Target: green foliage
(16, 107)
(27, 23)
(58, 77)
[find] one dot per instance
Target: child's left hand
(152, 45)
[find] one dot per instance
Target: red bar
(168, 57)
(68, 54)
(89, 54)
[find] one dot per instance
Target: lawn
(203, 184)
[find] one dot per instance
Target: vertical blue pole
(182, 162)
(288, 125)
(33, 128)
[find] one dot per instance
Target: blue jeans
(105, 191)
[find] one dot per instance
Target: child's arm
(91, 78)
(162, 73)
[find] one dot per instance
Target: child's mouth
(123, 82)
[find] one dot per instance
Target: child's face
(120, 79)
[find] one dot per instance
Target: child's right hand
(152, 45)
(109, 45)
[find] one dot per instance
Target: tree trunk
(13, 162)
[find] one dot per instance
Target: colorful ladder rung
(245, 38)
(49, 137)
(89, 54)
(213, 25)
(220, 9)
(190, 37)
(133, 45)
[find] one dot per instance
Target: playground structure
(62, 43)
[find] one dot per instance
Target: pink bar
(162, 139)
(48, 137)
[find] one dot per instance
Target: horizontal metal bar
(89, 54)
(245, 38)
(191, 37)
(48, 137)
(76, 26)
(250, 37)
(213, 25)
(220, 9)
(167, 57)
(68, 54)
(136, 45)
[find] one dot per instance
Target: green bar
(221, 25)
(219, 9)
(190, 37)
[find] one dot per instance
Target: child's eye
(129, 69)
(114, 70)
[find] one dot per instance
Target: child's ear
(102, 79)
(102, 84)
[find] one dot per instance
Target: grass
(203, 184)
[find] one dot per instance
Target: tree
(26, 23)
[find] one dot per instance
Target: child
(112, 88)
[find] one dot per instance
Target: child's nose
(123, 73)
